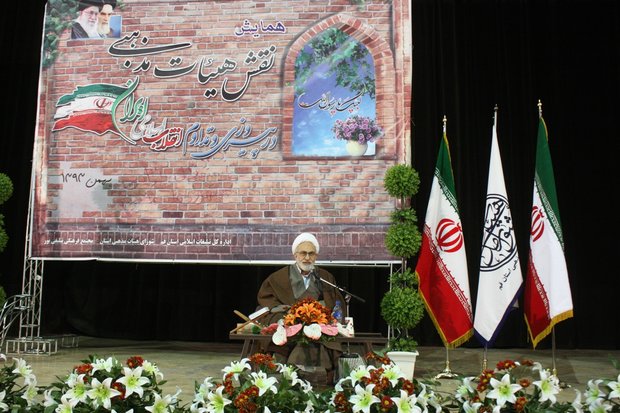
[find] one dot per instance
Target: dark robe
(78, 32)
(284, 288)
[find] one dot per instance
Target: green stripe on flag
(545, 181)
(99, 89)
(444, 174)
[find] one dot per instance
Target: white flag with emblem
(500, 271)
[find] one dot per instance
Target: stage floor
(184, 363)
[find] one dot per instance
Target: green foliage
(6, 188)
(4, 237)
(405, 279)
(6, 191)
(343, 56)
(403, 240)
(402, 308)
(59, 17)
(404, 216)
(402, 344)
(401, 181)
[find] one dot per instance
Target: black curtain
(468, 56)
(472, 55)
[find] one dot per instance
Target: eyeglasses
(92, 13)
(309, 254)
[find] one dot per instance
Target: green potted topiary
(402, 307)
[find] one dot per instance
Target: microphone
(314, 274)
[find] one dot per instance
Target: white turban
(305, 237)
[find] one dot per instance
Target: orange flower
(308, 311)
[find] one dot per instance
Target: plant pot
(405, 360)
(347, 362)
(354, 148)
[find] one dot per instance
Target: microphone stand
(347, 297)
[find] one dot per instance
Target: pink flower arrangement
(357, 128)
(307, 316)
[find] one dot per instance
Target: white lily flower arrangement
(18, 386)
(515, 387)
(382, 389)
(601, 396)
(257, 384)
(107, 385)
(260, 385)
(511, 387)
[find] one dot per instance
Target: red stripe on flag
(437, 287)
(536, 302)
(98, 122)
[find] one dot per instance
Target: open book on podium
(250, 319)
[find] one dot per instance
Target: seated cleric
(299, 280)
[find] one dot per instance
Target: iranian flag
(442, 264)
(547, 298)
(88, 108)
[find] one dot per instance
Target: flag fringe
(544, 333)
(455, 343)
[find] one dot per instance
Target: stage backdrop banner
(219, 130)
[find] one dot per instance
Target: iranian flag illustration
(89, 108)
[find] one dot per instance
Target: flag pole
(446, 373)
(539, 108)
(484, 357)
(554, 371)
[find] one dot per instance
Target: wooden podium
(254, 342)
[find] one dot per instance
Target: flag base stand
(554, 370)
(562, 384)
(446, 373)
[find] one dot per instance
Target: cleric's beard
(91, 28)
(104, 29)
(306, 267)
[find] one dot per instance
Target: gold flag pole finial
(495, 114)
(539, 108)
(445, 121)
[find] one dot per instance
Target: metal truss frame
(29, 339)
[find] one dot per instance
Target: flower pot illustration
(354, 148)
